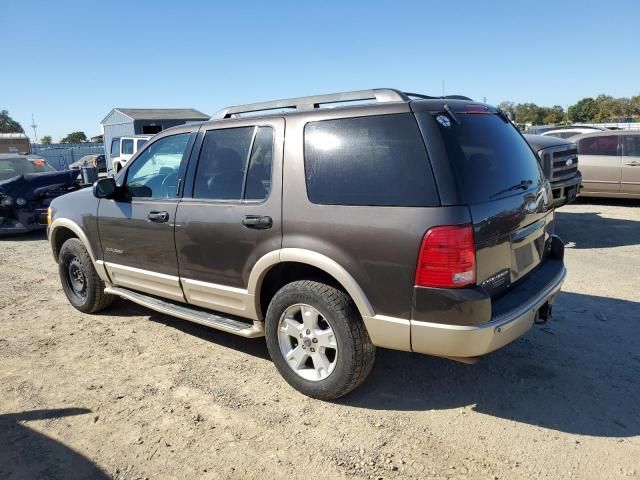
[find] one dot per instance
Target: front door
(599, 162)
(137, 228)
(230, 214)
(630, 183)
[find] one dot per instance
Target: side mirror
(105, 188)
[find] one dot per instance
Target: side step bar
(186, 312)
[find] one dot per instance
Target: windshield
(489, 157)
(12, 167)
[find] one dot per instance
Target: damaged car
(28, 184)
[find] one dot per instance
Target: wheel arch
(61, 230)
(315, 260)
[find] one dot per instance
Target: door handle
(260, 222)
(633, 164)
(159, 217)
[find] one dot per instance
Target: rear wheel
(317, 339)
(80, 281)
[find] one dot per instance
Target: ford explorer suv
(559, 161)
(397, 220)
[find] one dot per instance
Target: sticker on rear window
(443, 120)
(38, 163)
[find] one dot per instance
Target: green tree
(508, 107)
(554, 114)
(75, 137)
(46, 140)
(583, 111)
(8, 124)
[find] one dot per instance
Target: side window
(379, 160)
(632, 145)
(600, 145)
(222, 172)
(139, 144)
(115, 147)
(258, 184)
(154, 174)
(127, 147)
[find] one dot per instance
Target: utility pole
(443, 88)
(34, 126)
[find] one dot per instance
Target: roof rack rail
(309, 103)
(446, 97)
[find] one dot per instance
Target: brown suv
(409, 222)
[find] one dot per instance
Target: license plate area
(527, 249)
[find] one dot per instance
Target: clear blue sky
(70, 62)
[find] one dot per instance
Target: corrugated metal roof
(163, 113)
(13, 136)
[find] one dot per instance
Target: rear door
(230, 214)
(499, 178)
(630, 177)
(600, 163)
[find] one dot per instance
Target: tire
(80, 281)
(287, 334)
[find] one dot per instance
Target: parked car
(572, 131)
(27, 186)
(412, 223)
(559, 161)
(123, 148)
(610, 163)
(97, 161)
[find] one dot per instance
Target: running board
(191, 314)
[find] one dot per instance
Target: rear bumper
(512, 316)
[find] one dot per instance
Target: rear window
(12, 167)
(377, 160)
(488, 155)
(600, 145)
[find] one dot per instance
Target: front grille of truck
(554, 162)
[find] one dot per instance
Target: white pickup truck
(123, 148)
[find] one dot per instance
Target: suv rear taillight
(447, 257)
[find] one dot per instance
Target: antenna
(34, 126)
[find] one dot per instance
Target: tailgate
(510, 237)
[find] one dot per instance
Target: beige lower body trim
(235, 301)
(160, 284)
(389, 332)
(101, 270)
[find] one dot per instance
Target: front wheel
(317, 339)
(80, 281)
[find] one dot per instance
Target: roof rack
(309, 103)
(380, 95)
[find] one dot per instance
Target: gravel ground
(132, 394)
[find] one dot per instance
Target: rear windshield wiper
(524, 184)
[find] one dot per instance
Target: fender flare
(59, 223)
(314, 259)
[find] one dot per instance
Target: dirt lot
(134, 394)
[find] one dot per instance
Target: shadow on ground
(251, 346)
(591, 230)
(25, 453)
(577, 374)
